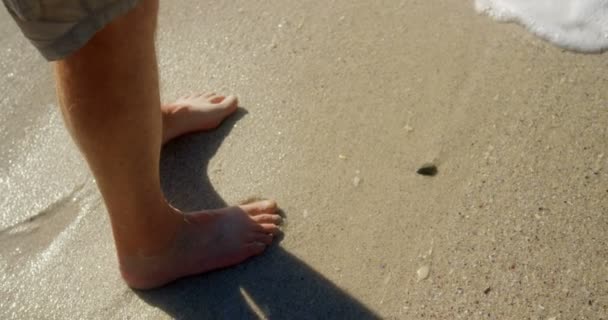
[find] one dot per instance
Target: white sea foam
(579, 25)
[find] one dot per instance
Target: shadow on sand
(275, 285)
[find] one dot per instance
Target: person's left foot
(197, 112)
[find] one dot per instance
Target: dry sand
(344, 101)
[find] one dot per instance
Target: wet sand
(342, 103)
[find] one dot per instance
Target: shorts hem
(78, 36)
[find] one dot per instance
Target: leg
(109, 97)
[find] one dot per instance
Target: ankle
(152, 234)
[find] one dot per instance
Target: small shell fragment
(356, 181)
(423, 272)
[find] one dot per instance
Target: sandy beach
(342, 101)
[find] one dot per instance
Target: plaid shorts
(58, 28)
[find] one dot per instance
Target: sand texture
(343, 101)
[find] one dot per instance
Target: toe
(230, 102)
(216, 99)
(208, 94)
(267, 218)
(264, 238)
(269, 228)
(260, 207)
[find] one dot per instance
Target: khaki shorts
(57, 28)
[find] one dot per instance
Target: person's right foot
(206, 241)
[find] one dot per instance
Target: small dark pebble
(487, 290)
(427, 170)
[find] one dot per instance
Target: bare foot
(206, 241)
(196, 112)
